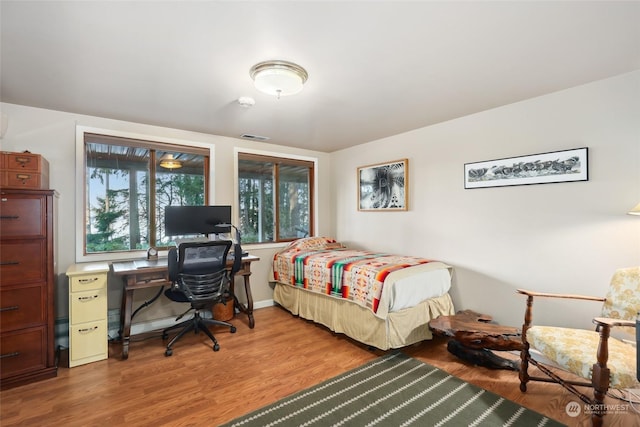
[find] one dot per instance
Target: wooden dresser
(27, 269)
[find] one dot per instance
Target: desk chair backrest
(199, 269)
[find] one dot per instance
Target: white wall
(555, 237)
(52, 134)
(566, 237)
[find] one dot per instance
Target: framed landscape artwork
(544, 168)
(383, 186)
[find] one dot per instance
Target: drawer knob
(88, 280)
(23, 160)
(87, 298)
(10, 308)
(9, 216)
(9, 263)
(87, 330)
(23, 177)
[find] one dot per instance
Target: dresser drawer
(22, 351)
(25, 161)
(24, 179)
(88, 340)
(22, 216)
(22, 307)
(86, 282)
(23, 261)
(88, 306)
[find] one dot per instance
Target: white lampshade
(279, 78)
(635, 210)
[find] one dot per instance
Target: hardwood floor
(254, 367)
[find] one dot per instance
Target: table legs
(138, 279)
(248, 309)
(125, 321)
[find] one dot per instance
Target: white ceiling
(375, 68)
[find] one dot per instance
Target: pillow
(315, 243)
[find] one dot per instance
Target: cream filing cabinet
(88, 324)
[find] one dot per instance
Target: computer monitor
(194, 220)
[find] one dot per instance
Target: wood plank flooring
(254, 367)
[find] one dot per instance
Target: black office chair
(200, 276)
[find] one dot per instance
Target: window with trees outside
(275, 198)
(129, 182)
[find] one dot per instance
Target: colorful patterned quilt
(322, 265)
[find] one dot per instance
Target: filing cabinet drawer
(23, 351)
(22, 216)
(25, 161)
(86, 282)
(22, 307)
(88, 340)
(23, 261)
(88, 305)
(27, 180)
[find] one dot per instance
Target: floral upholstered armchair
(605, 361)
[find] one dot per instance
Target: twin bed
(382, 300)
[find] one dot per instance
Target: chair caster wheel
(216, 347)
(168, 352)
(233, 329)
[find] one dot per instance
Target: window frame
(153, 141)
(274, 156)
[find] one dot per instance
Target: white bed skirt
(397, 329)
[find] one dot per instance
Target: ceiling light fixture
(169, 162)
(279, 78)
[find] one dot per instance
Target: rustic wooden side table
(474, 338)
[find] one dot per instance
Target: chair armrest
(550, 295)
(602, 321)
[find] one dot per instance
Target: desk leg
(125, 320)
(248, 309)
(247, 289)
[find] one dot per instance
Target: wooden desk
(158, 275)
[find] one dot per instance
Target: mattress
(382, 282)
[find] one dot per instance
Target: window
(275, 198)
(127, 188)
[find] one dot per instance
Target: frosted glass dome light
(278, 78)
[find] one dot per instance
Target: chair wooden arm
(602, 321)
(528, 315)
(550, 295)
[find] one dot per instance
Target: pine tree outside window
(275, 198)
(126, 191)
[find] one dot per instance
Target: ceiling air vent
(254, 137)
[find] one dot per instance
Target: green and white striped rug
(394, 390)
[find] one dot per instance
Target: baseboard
(263, 304)
(113, 316)
(156, 324)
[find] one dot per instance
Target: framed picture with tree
(383, 186)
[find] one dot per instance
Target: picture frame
(544, 168)
(383, 186)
